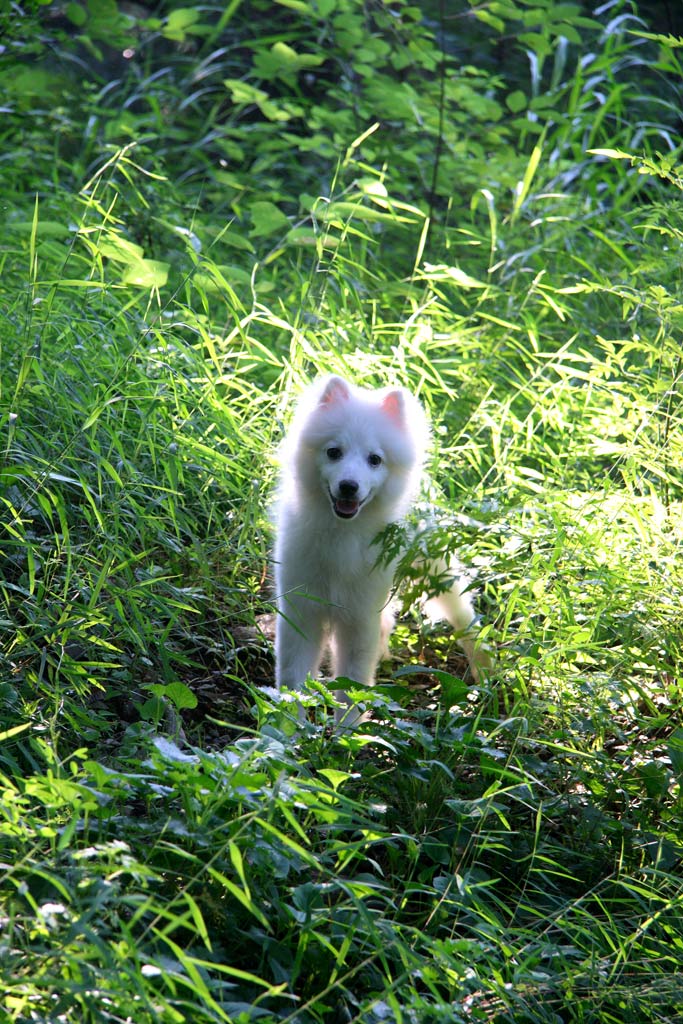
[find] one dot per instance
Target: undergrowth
(198, 232)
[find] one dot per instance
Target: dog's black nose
(347, 488)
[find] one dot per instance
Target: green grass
(174, 845)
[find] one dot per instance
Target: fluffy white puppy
(351, 465)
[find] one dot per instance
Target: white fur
(351, 464)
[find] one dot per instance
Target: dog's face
(352, 470)
(357, 450)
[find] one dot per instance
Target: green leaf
(675, 752)
(335, 777)
(569, 33)
(76, 15)
(489, 19)
(29, 82)
(170, 751)
(120, 249)
(242, 92)
(523, 191)
(453, 690)
(267, 219)
(297, 5)
(454, 274)
(538, 43)
(179, 23)
(43, 228)
(516, 101)
(8, 734)
(146, 274)
(614, 154)
(565, 12)
(180, 695)
(284, 62)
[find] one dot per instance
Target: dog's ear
(336, 390)
(394, 406)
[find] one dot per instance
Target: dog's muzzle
(346, 503)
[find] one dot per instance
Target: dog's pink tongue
(346, 506)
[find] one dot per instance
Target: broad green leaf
(179, 23)
(489, 19)
(267, 219)
(540, 45)
(170, 751)
(76, 14)
(120, 249)
(335, 777)
(372, 187)
(516, 101)
(282, 60)
(569, 32)
(242, 92)
(43, 228)
(180, 695)
(146, 274)
(565, 12)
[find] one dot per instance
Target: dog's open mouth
(345, 508)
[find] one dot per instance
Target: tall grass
(175, 844)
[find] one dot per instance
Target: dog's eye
(334, 454)
(374, 459)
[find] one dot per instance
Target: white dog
(351, 465)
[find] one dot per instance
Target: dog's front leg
(298, 642)
(356, 650)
